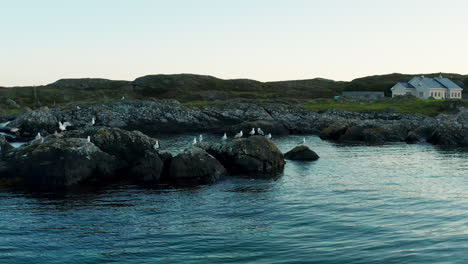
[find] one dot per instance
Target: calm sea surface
(395, 203)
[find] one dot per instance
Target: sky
(266, 40)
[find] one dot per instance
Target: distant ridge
(200, 88)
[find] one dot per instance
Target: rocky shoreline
(113, 141)
(153, 118)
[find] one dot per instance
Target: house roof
(430, 83)
(406, 84)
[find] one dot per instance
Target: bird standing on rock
(224, 137)
(239, 135)
(252, 132)
(303, 141)
(63, 126)
(200, 138)
(260, 131)
(88, 139)
(268, 136)
(156, 145)
(93, 121)
(194, 141)
(39, 138)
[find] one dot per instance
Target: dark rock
(254, 156)
(337, 129)
(147, 169)
(42, 120)
(58, 164)
(450, 134)
(195, 166)
(301, 153)
(4, 145)
(128, 146)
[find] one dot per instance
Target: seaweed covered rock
(57, 164)
(254, 156)
(302, 153)
(195, 166)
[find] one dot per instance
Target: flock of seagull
(63, 126)
(238, 135)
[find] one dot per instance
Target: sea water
(393, 203)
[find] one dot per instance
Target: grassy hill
(193, 89)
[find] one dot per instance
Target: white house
(421, 87)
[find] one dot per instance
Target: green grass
(416, 106)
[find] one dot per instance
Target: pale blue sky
(267, 40)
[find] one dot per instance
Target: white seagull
(63, 126)
(239, 135)
(252, 132)
(39, 138)
(224, 137)
(88, 139)
(260, 131)
(200, 138)
(268, 136)
(93, 121)
(156, 145)
(123, 98)
(194, 141)
(303, 141)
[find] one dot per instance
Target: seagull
(63, 126)
(224, 137)
(156, 145)
(252, 132)
(194, 141)
(123, 98)
(260, 131)
(93, 121)
(200, 138)
(14, 130)
(88, 139)
(239, 135)
(303, 141)
(268, 136)
(78, 108)
(39, 138)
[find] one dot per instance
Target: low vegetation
(430, 107)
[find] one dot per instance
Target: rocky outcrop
(152, 118)
(43, 120)
(58, 164)
(127, 146)
(195, 166)
(134, 150)
(254, 156)
(301, 153)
